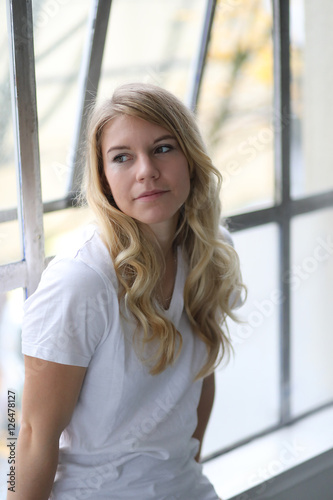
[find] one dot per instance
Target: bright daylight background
(156, 41)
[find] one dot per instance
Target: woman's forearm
(48, 401)
(204, 409)
(35, 468)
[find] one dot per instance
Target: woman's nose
(146, 168)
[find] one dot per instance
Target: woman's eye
(163, 149)
(120, 158)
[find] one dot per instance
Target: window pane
(247, 390)
(11, 371)
(153, 42)
(10, 243)
(59, 36)
(236, 103)
(63, 227)
(10, 248)
(311, 96)
(312, 313)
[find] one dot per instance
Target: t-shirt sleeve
(68, 315)
(226, 236)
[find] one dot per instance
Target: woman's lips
(151, 195)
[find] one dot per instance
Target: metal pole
(23, 88)
(88, 84)
(282, 195)
(200, 60)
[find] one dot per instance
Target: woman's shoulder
(73, 308)
(85, 263)
(225, 234)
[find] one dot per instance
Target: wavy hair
(213, 283)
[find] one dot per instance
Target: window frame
(27, 272)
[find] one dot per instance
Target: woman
(122, 337)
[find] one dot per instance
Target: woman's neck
(164, 233)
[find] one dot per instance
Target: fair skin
(147, 173)
(50, 394)
(204, 409)
(149, 180)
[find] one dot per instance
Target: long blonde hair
(213, 281)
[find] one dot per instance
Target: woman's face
(146, 170)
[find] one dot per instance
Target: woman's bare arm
(204, 409)
(50, 394)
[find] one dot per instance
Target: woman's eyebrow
(116, 147)
(163, 137)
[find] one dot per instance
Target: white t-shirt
(130, 436)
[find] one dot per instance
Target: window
(258, 74)
(283, 223)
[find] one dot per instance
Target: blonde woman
(122, 336)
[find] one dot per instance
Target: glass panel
(153, 42)
(312, 314)
(235, 107)
(247, 390)
(10, 248)
(59, 36)
(10, 243)
(311, 96)
(11, 372)
(63, 227)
